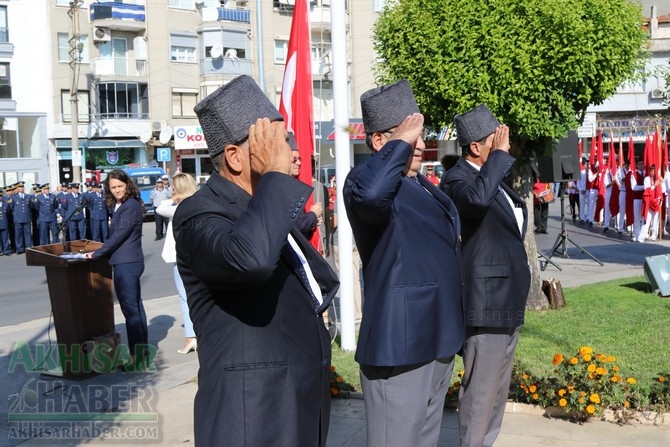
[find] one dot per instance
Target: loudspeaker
(657, 273)
(563, 164)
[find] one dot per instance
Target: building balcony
(118, 16)
(321, 69)
(319, 17)
(225, 65)
(120, 66)
(240, 15)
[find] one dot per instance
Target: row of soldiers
(42, 217)
(633, 199)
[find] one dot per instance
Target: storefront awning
(99, 144)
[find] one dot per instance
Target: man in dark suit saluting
(256, 288)
(494, 221)
(407, 232)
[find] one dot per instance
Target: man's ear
(474, 149)
(233, 155)
(377, 140)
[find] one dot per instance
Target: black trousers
(541, 216)
(161, 224)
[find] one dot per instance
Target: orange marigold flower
(571, 389)
(562, 403)
(611, 358)
(535, 396)
(590, 409)
(561, 392)
(615, 368)
(631, 381)
(626, 404)
(601, 371)
(334, 391)
(524, 376)
(558, 358)
(587, 357)
(580, 400)
(615, 378)
(533, 388)
(332, 367)
(574, 361)
(339, 379)
(661, 379)
(591, 368)
(592, 376)
(602, 358)
(594, 398)
(585, 350)
(582, 393)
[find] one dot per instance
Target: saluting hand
(268, 147)
(501, 138)
(410, 129)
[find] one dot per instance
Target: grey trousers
(488, 357)
(404, 404)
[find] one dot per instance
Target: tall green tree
(538, 64)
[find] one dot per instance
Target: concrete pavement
(155, 408)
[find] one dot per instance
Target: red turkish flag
(295, 104)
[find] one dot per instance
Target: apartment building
(139, 67)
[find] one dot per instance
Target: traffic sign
(163, 154)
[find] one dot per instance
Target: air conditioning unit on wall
(658, 93)
(101, 34)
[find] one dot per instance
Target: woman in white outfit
(183, 186)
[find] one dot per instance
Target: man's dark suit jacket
(409, 244)
(496, 265)
(264, 351)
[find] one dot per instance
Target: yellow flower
(611, 358)
(661, 379)
(580, 400)
(561, 392)
(626, 404)
(616, 378)
(571, 389)
(582, 393)
(562, 402)
(631, 381)
(591, 368)
(587, 357)
(535, 396)
(590, 409)
(601, 371)
(615, 368)
(594, 398)
(461, 372)
(592, 376)
(524, 376)
(558, 358)
(574, 361)
(533, 388)
(584, 350)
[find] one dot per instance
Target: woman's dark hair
(131, 190)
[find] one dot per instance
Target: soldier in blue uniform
(76, 222)
(9, 192)
(22, 216)
(33, 216)
(99, 213)
(4, 225)
(46, 207)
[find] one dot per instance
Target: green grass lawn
(620, 318)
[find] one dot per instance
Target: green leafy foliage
(538, 64)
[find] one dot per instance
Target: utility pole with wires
(76, 47)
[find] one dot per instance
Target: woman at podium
(124, 252)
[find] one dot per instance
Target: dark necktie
(296, 264)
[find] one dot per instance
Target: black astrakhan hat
(226, 114)
(387, 106)
(474, 125)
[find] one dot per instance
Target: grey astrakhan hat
(474, 125)
(226, 114)
(387, 106)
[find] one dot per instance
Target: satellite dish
(231, 53)
(165, 135)
(145, 136)
(216, 51)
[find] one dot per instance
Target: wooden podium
(82, 303)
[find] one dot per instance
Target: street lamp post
(76, 47)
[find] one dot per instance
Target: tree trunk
(523, 185)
